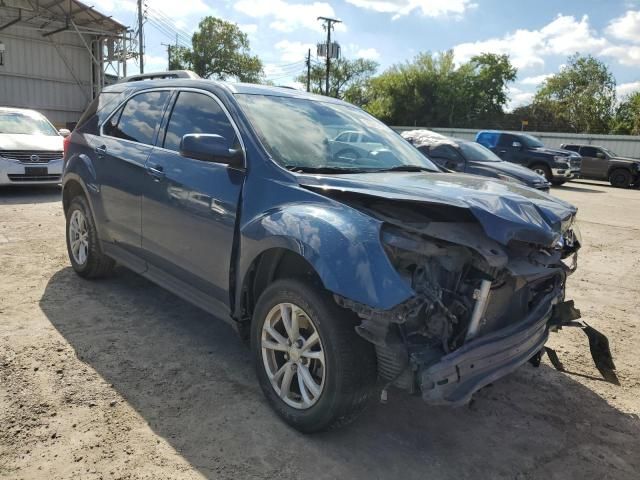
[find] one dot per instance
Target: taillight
(65, 144)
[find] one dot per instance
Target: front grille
(25, 156)
(33, 178)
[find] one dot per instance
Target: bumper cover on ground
(457, 376)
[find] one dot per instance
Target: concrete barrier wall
(623, 145)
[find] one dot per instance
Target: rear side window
(488, 139)
(98, 110)
(589, 152)
(197, 113)
(507, 140)
(139, 119)
(573, 148)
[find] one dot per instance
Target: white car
(31, 149)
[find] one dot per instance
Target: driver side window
(197, 113)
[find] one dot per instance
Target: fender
(342, 244)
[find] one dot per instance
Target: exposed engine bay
(481, 309)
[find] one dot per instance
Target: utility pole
(309, 70)
(140, 37)
(168, 45)
(328, 26)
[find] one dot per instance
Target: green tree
(582, 95)
(627, 117)
(347, 78)
(220, 50)
(432, 90)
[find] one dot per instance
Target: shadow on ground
(15, 195)
(189, 376)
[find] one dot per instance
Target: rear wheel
(83, 247)
(543, 170)
(315, 371)
(620, 178)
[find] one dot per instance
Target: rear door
(592, 165)
(507, 151)
(190, 206)
(120, 153)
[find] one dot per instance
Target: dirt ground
(120, 379)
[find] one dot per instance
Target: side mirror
(600, 155)
(65, 132)
(517, 145)
(210, 148)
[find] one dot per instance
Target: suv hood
(31, 142)
(626, 159)
(506, 211)
(513, 170)
(554, 151)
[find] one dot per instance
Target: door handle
(101, 150)
(156, 171)
(502, 152)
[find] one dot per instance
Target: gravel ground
(120, 379)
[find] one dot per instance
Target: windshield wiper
(327, 170)
(404, 168)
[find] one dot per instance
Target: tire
(87, 260)
(346, 154)
(620, 178)
(542, 169)
(346, 375)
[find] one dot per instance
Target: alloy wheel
(79, 237)
(293, 356)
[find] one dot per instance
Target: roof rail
(160, 76)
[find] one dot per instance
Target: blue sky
(538, 35)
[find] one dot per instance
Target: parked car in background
(557, 166)
(30, 148)
(354, 144)
(471, 157)
(338, 271)
(600, 163)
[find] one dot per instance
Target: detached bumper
(457, 376)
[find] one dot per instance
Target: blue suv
(339, 268)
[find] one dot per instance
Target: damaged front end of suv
(487, 294)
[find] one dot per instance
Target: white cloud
(565, 35)
(536, 80)
(625, 54)
(293, 51)
(626, 27)
(625, 89)
(154, 63)
(428, 8)
(288, 17)
(368, 53)
(248, 27)
(518, 98)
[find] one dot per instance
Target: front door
(189, 207)
(120, 156)
(593, 166)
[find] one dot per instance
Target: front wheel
(620, 178)
(543, 170)
(314, 369)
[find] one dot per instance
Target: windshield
(25, 124)
(531, 142)
(308, 135)
(608, 152)
(477, 153)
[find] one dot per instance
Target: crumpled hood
(31, 142)
(506, 211)
(516, 171)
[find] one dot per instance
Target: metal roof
(54, 16)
